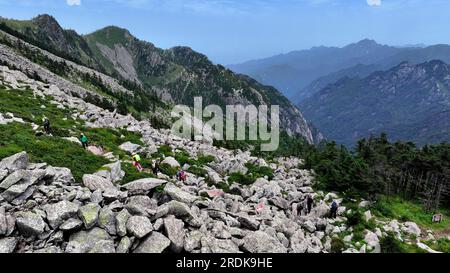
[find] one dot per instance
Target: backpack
(334, 205)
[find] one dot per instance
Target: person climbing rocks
(309, 203)
(46, 123)
(84, 141)
(183, 176)
(136, 162)
(155, 167)
(333, 210)
(179, 175)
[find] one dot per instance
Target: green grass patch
(390, 244)
(111, 139)
(23, 104)
(398, 208)
(16, 137)
(132, 174)
(441, 244)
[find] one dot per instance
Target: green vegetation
(111, 139)
(168, 170)
(15, 138)
(23, 104)
(132, 174)
(337, 245)
(441, 244)
(404, 210)
(390, 244)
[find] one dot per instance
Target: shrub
(337, 245)
(132, 174)
(241, 179)
(168, 170)
(165, 150)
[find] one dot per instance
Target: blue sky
(231, 31)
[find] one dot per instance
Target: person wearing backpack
(84, 141)
(333, 210)
(136, 162)
(46, 123)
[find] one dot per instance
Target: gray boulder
(130, 147)
(124, 245)
(30, 224)
(139, 226)
(71, 224)
(141, 205)
(112, 172)
(143, 186)
(85, 241)
(261, 242)
(172, 162)
(7, 245)
(95, 182)
(59, 212)
(155, 243)
(107, 220)
(175, 232)
(15, 162)
(178, 194)
(121, 222)
(89, 214)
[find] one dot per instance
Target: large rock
(139, 226)
(16, 162)
(124, 245)
(248, 222)
(3, 223)
(175, 231)
(91, 240)
(373, 241)
(59, 212)
(214, 245)
(412, 228)
(7, 245)
(30, 224)
(71, 224)
(121, 222)
(261, 242)
(89, 214)
(112, 172)
(155, 243)
(95, 182)
(141, 205)
(143, 186)
(14, 178)
(172, 162)
(130, 147)
(107, 220)
(180, 210)
(178, 194)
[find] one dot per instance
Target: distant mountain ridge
(308, 71)
(176, 75)
(408, 102)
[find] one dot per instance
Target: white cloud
(73, 2)
(374, 2)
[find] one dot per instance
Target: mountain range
(174, 75)
(300, 74)
(409, 102)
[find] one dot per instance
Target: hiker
(183, 176)
(333, 210)
(155, 167)
(46, 122)
(84, 141)
(309, 203)
(136, 162)
(179, 175)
